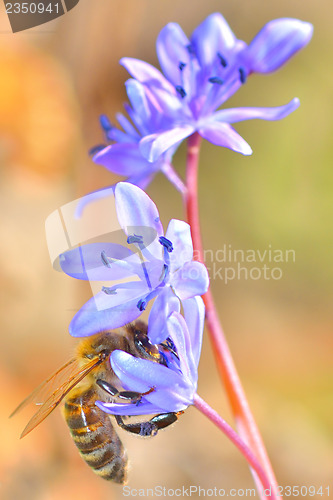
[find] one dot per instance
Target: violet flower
(123, 155)
(162, 268)
(174, 384)
(201, 73)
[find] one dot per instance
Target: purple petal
(233, 115)
(140, 375)
(166, 302)
(179, 233)
(90, 319)
(211, 37)
(172, 49)
(174, 397)
(137, 214)
(192, 279)
(166, 103)
(144, 408)
(218, 95)
(120, 294)
(138, 99)
(276, 43)
(145, 73)
(153, 146)
(194, 312)
(123, 159)
(127, 126)
(224, 135)
(85, 262)
(114, 134)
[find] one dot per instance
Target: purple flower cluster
(156, 269)
(159, 269)
(199, 75)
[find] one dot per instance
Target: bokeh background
(55, 81)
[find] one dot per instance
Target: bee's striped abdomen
(95, 437)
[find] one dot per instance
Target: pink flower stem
(245, 422)
(202, 406)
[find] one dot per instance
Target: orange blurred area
(55, 81)
(39, 116)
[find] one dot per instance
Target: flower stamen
(190, 49)
(216, 79)
(164, 274)
(105, 259)
(242, 75)
(166, 243)
(181, 91)
(109, 290)
(135, 238)
(96, 149)
(138, 239)
(142, 304)
(106, 126)
(223, 61)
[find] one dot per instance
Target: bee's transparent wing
(43, 391)
(50, 393)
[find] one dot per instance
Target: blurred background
(55, 81)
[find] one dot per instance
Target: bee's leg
(152, 426)
(127, 396)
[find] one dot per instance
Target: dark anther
(181, 91)
(135, 238)
(242, 75)
(190, 49)
(108, 290)
(216, 79)
(105, 260)
(96, 149)
(166, 243)
(181, 66)
(141, 305)
(223, 60)
(105, 123)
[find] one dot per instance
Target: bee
(88, 377)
